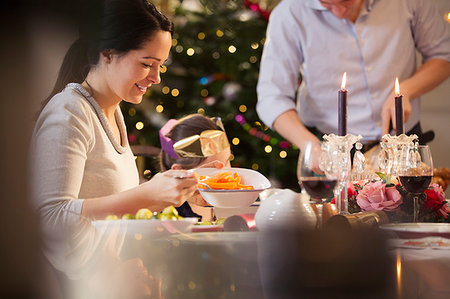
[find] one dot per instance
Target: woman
(191, 142)
(82, 162)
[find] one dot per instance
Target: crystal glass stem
(341, 198)
(416, 208)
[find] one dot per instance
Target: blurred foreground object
(325, 264)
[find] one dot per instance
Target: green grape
(144, 214)
(127, 216)
(170, 210)
(111, 217)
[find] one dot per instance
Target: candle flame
(448, 17)
(397, 87)
(344, 80)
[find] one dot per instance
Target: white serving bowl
(234, 198)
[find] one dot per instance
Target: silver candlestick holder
(392, 152)
(338, 161)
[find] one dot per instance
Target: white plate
(207, 228)
(217, 237)
(149, 228)
(418, 230)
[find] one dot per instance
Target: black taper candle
(342, 112)
(342, 107)
(399, 125)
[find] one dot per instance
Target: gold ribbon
(208, 143)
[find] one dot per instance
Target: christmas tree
(213, 69)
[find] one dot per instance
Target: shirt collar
(315, 4)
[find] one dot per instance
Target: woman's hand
(169, 188)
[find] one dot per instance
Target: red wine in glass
(415, 184)
(320, 188)
(415, 173)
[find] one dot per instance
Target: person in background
(183, 148)
(81, 158)
(373, 41)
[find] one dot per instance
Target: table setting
(358, 229)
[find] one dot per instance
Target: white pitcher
(284, 208)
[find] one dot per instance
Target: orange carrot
(223, 180)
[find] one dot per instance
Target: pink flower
(375, 196)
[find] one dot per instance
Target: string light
(261, 135)
(219, 33)
(235, 141)
(231, 49)
(165, 90)
(283, 154)
(175, 92)
(255, 166)
(190, 52)
(179, 48)
(216, 55)
(174, 42)
(204, 92)
(159, 108)
(163, 69)
(268, 149)
(201, 36)
(253, 59)
(201, 111)
(255, 46)
(132, 112)
(139, 125)
(242, 108)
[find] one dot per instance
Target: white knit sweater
(75, 155)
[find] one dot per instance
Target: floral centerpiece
(387, 195)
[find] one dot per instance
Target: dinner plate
(418, 230)
(207, 228)
(217, 237)
(147, 228)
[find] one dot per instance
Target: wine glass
(313, 177)
(415, 172)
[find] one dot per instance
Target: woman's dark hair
(118, 25)
(187, 126)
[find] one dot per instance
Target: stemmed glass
(415, 172)
(313, 177)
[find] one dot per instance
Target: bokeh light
(139, 125)
(268, 149)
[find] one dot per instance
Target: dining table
(239, 261)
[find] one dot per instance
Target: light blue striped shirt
(303, 36)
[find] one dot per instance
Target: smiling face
(343, 9)
(129, 75)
